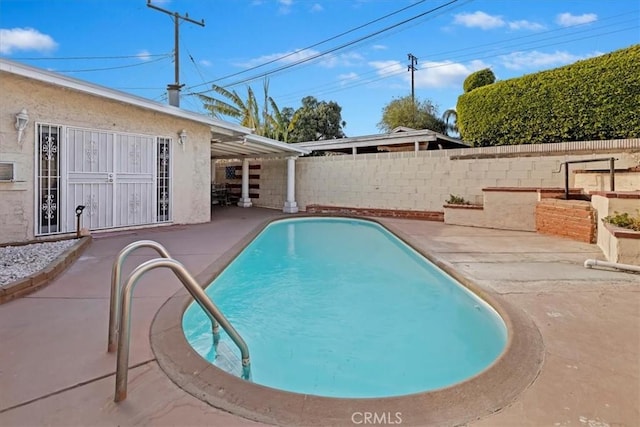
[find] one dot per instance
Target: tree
(245, 111)
(404, 112)
(280, 122)
(450, 119)
(478, 79)
(316, 120)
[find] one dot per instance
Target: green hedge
(478, 79)
(594, 99)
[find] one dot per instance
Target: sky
(352, 52)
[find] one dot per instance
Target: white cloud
(442, 74)
(430, 74)
(344, 60)
(327, 61)
(485, 21)
(385, 68)
(15, 39)
(144, 55)
(567, 19)
(379, 47)
(285, 6)
(525, 25)
(287, 58)
(206, 62)
(535, 59)
(317, 7)
(347, 78)
(479, 19)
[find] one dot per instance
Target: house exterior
(131, 162)
(399, 139)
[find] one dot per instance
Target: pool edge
(488, 392)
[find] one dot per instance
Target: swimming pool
(342, 308)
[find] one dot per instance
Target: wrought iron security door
(112, 175)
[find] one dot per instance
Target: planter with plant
(624, 220)
(456, 200)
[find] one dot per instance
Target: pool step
(227, 360)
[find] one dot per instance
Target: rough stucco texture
(53, 105)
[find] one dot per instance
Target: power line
(321, 54)
(339, 86)
(114, 68)
(145, 55)
(344, 33)
(174, 89)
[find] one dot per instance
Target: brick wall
(574, 219)
(395, 213)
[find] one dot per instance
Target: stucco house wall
(51, 104)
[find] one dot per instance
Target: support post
(173, 90)
(290, 205)
(245, 200)
(612, 174)
(566, 180)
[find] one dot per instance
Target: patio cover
(246, 145)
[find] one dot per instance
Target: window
(230, 172)
(48, 179)
(7, 171)
(163, 181)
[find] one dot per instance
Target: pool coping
(488, 392)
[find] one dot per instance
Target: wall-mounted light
(182, 136)
(22, 118)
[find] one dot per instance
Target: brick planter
(574, 219)
(394, 213)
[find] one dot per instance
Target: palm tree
(279, 122)
(245, 111)
(276, 125)
(450, 118)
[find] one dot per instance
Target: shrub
(593, 99)
(624, 220)
(478, 79)
(456, 200)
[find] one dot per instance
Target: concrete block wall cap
(621, 232)
(617, 194)
(461, 206)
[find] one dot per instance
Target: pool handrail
(116, 272)
(122, 355)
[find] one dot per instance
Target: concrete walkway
(54, 368)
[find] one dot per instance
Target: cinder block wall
(423, 180)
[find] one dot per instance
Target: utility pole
(413, 61)
(174, 89)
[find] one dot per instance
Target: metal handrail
(612, 172)
(122, 356)
(116, 272)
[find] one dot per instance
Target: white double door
(112, 176)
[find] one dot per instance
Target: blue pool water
(343, 308)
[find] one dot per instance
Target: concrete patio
(54, 368)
